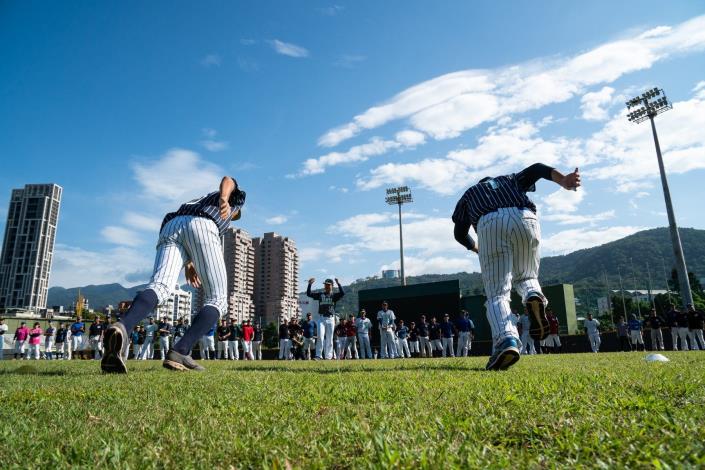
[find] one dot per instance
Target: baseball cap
(328, 281)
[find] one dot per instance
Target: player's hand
(571, 181)
(192, 276)
(475, 249)
(312, 280)
(337, 281)
(224, 208)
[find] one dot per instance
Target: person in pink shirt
(35, 338)
(20, 339)
(248, 332)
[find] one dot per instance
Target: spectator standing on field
(435, 334)
(147, 350)
(309, 333)
(3, 330)
(623, 335)
(340, 339)
(635, 334)
(402, 340)
(49, 335)
(257, 343)
(95, 338)
(364, 326)
(164, 330)
(413, 340)
(696, 321)
(179, 330)
(248, 332)
(223, 333)
(424, 340)
(325, 320)
(465, 328)
(672, 321)
(351, 338)
(208, 344)
(527, 342)
(78, 329)
(683, 321)
(62, 341)
(447, 330)
(234, 341)
(20, 339)
(552, 341)
(35, 340)
(135, 340)
(655, 323)
(593, 333)
(386, 319)
(284, 341)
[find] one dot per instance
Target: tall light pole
(399, 196)
(648, 106)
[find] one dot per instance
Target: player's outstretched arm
(461, 233)
(227, 186)
(571, 181)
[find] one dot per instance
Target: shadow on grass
(44, 373)
(283, 368)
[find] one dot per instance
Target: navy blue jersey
(208, 206)
(491, 194)
(309, 327)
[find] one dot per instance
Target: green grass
(581, 410)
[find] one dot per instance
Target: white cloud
(586, 237)
(450, 104)
(577, 219)
(73, 267)
(699, 90)
(121, 236)
(277, 220)
(141, 221)
(211, 60)
(331, 10)
(288, 49)
(564, 201)
(414, 266)
(595, 105)
(176, 176)
(409, 138)
(358, 153)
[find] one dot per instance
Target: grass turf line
(611, 410)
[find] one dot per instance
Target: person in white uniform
(364, 325)
(593, 333)
(386, 319)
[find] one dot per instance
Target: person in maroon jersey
(351, 341)
(553, 341)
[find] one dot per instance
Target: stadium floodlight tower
(647, 106)
(399, 196)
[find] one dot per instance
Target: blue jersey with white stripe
(208, 206)
(488, 196)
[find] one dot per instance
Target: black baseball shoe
(114, 346)
(538, 323)
(178, 361)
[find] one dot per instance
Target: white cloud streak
(289, 49)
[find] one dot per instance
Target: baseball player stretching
(189, 239)
(325, 321)
(508, 237)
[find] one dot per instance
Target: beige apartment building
(239, 254)
(276, 278)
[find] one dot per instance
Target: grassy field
(604, 410)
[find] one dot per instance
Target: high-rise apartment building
(276, 278)
(28, 246)
(177, 306)
(239, 257)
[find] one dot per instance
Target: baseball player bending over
(189, 239)
(508, 237)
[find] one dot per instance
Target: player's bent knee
(162, 290)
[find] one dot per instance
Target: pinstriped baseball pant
(508, 241)
(196, 239)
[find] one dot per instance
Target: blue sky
(317, 107)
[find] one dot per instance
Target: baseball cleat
(178, 361)
(114, 345)
(505, 355)
(538, 326)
